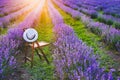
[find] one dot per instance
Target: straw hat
(30, 35)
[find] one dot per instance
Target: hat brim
(33, 39)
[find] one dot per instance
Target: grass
(101, 12)
(3, 31)
(89, 38)
(42, 70)
(1, 15)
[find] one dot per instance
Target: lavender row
(73, 59)
(13, 16)
(56, 17)
(103, 5)
(13, 44)
(107, 18)
(10, 46)
(81, 7)
(110, 35)
(87, 9)
(32, 17)
(98, 5)
(110, 20)
(13, 3)
(91, 11)
(7, 3)
(7, 10)
(108, 7)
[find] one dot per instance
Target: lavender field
(84, 37)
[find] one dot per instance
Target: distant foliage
(117, 25)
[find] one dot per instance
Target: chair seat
(41, 44)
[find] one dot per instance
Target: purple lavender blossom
(6, 19)
(96, 27)
(76, 60)
(73, 59)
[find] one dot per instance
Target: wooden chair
(36, 46)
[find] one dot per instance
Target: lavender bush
(9, 48)
(12, 43)
(73, 59)
(89, 7)
(109, 35)
(110, 7)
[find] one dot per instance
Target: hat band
(31, 37)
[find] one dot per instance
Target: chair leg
(44, 55)
(32, 57)
(38, 54)
(25, 60)
(42, 52)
